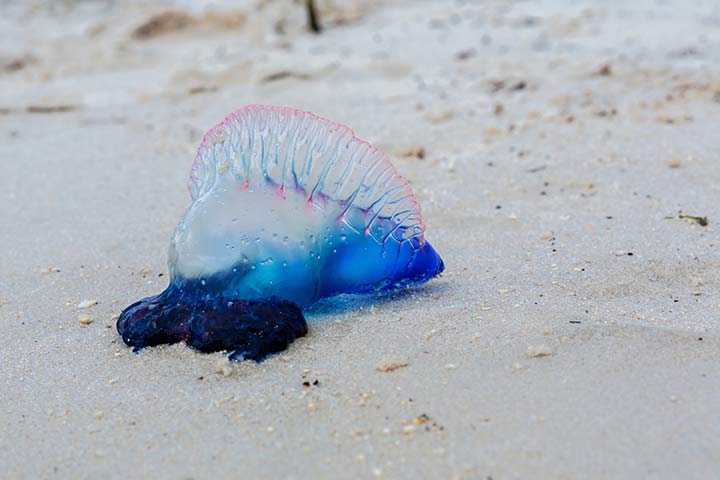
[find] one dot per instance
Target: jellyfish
(287, 208)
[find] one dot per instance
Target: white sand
(627, 384)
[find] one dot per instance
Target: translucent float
(287, 208)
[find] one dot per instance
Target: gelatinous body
(287, 208)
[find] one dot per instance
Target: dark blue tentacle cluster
(249, 329)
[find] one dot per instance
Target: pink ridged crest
(293, 149)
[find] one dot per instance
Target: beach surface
(567, 159)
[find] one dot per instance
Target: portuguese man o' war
(287, 208)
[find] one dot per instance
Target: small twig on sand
(313, 20)
(702, 221)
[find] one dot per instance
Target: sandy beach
(567, 159)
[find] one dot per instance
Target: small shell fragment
(390, 364)
(539, 351)
(86, 304)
